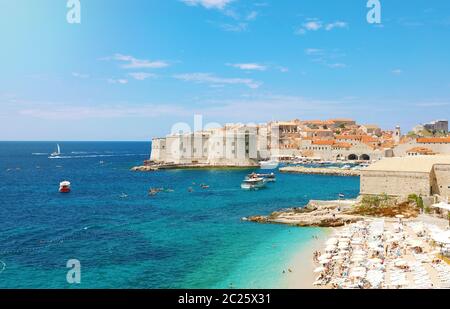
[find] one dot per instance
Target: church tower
(397, 134)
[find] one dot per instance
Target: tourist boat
(268, 177)
(64, 187)
(270, 164)
(253, 183)
(57, 152)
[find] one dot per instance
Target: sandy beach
(386, 253)
(302, 265)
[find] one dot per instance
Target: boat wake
(98, 156)
(2, 266)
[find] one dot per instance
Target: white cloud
(80, 75)
(131, 62)
(209, 4)
(314, 51)
(142, 75)
(283, 69)
(397, 71)
(327, 58)
(337, 24)
(73, 112)
(121, 81)
(315, 24)
(208, 78)
(252, 15)
(239, 27)
(337, 65)
(248, 66)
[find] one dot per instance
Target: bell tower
(397, 134)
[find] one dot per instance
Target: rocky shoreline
(320, 171)
(315, 214)
(157, 167)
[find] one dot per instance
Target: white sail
(59, 149)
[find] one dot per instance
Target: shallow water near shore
(172, 240)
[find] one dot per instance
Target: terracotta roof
(318, 122)
(421, 150)
(343, 145)
(387, 144)
(355, 137)
(368, 139)
(371, 126)
(433, 140)
(317, 130)
(323, 142)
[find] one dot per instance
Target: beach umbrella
(343, 245)
(331, 241)
(319, 269)
(358, 259)
(442, 238)
(442, 205)
(400, 263)
(330, 249)
(325, 256)
(358, 272)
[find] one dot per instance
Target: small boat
(123, 195)
(269, 165)
(57, 152)
(268, 177)
(204, 186)
(253, 183)
(64, 187)
(154, 191)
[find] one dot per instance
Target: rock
(144, 169)
(258, 219)
(316, 213)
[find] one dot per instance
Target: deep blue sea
(175, 239)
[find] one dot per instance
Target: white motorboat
(253, 183)
(267, 177)
(270, 164)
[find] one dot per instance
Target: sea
(124, 238)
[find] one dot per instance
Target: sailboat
(58, 151)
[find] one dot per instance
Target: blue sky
(133, 68)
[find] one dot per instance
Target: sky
(132, 69)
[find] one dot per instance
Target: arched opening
(364, 157)
(353, 157)
(339, 157)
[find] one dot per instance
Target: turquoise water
(173, 240)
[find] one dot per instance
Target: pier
(320, 171)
